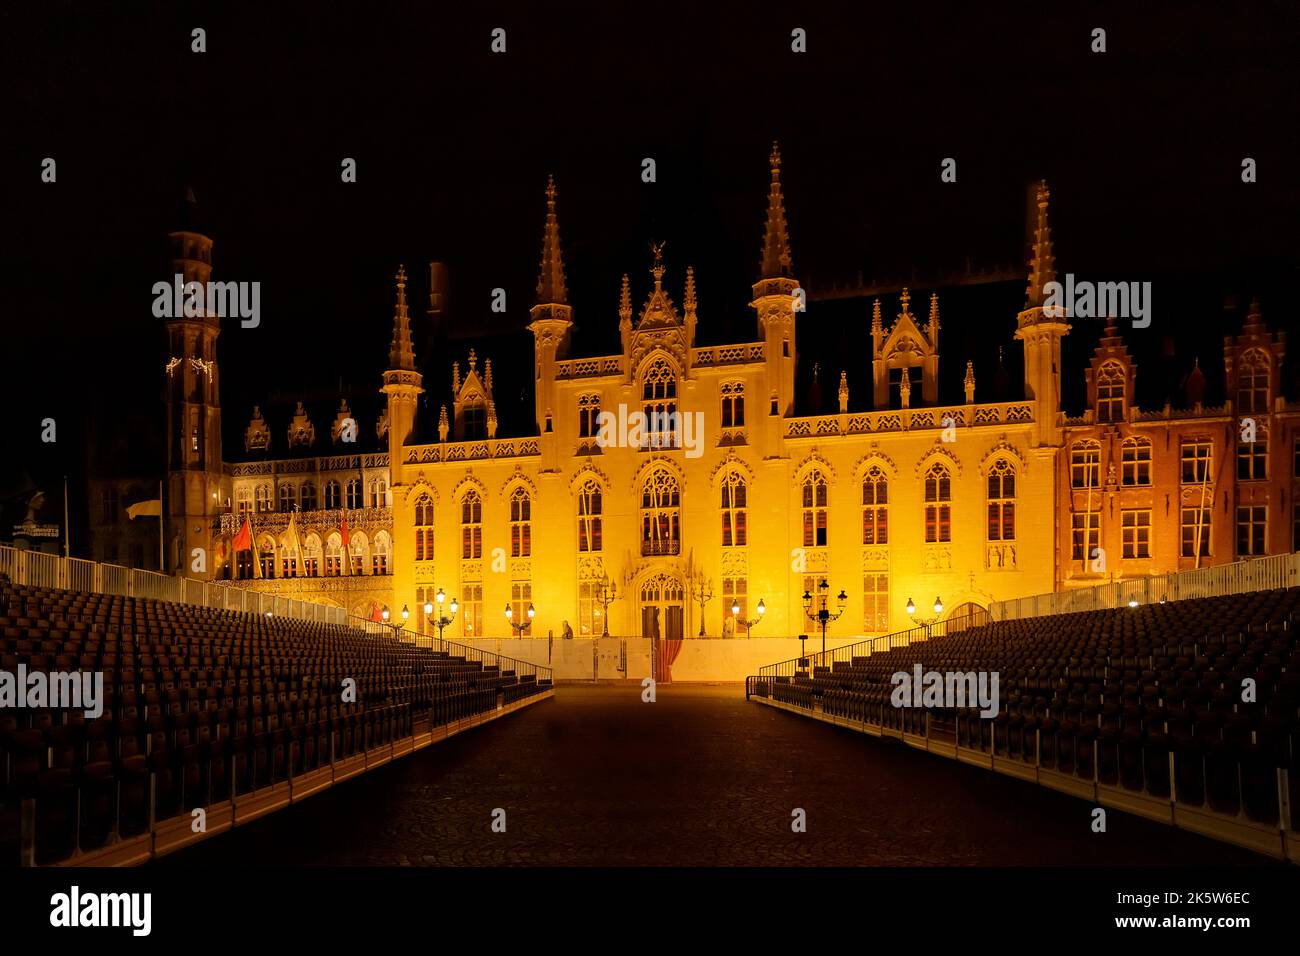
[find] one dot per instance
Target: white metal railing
(1253, 574)
(37, 569)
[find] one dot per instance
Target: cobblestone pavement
(701, 777)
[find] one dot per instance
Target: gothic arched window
(1252, 383)
(590, 536)
(424, 528)
(815, 510)
(938, 504)
(1002, 501)
(307, 497)
(661, 531)
(734, 531)
(659, 403)
(471, 525)
(333, 496)
(521, 524)
(1110, 393)
(875, 507)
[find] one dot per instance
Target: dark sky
(1142, 146)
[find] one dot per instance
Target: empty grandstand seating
(203, 706)
(1105, 697)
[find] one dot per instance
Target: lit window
(815, 510)
(938, 508)
(1135, 467)
(1136, 526)
(875, 507)
(734, 532)
(1002, 501)
(521, 524)
(471, 525)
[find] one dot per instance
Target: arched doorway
(967, 615)
(663, 607)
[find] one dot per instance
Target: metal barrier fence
(1253, 574)
(874, 645)
(488, 659)
(37, 569)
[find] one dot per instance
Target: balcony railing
(660, 547)
(910, 419)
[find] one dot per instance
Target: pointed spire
(934, 313)
(625, 304)
(551, 289)
(877, 324)
(777, 262)
(689, 304)
(1042, 263)
(401, 354)
(969, 382)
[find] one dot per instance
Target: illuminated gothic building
(893, 497)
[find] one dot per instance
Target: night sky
(1142, 146)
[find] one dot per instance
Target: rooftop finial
(625, 303)
(658, 270)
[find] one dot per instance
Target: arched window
(661, 531)
(938, 504)
(307, 496)
(1002, 501)
(733, 405)
(334, 555)
(1085, 464)
(382, 551)
(659, 403)
(875, 507)
(359, 545)
(333, 498)
(815, 510)
(263, 498)
(424, 528)
(266, 556)
(311, 555)
(243, 500)
(1110, 393)
(354, 493)
(286, 498)
(590, 531)
(1252, 383)
(734, 531)
(378, 493)
(471, 525)
(521, 524)
(1135, 462)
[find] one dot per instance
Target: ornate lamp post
(520, 626)
(748, 623)
(442, 620)
(387, 615)
(608, 594)
(818, 610)
(702, 592)
(925, 621)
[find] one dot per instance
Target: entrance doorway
(663, 607)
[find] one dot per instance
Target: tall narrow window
(311, 554)
(1252, 524)
(1110, 393)
(263, 498)
(1135, 464)
(243, 500)
(381, 553)
(354, 493)
(521, 524)
(734, 533)
(1252, 459)
(471, 609)
(307, 496)
(590, 537)
(1136, 526)
(333, 555)
(1195, 532)
(1085, 464)
(424, 528)
(286, 498)
(875, 603)
(815, 510)
(471, 525)
(938, 504)
(875, 507)
(378, 493)
(1252, 383)
(1085, 533)
(588, 416)
(590, 612)
(660, 514)
(1002, 501)
(1196, 460)
(733, 404)
(333, 498)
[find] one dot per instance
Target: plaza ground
(698, 778)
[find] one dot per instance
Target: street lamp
(386, 615)
(748, 623)
(823, 615)
(442, 620)
(608, 594)
(521, 626)
(925, 621)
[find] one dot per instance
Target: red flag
(344, 532)
(243, 541)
